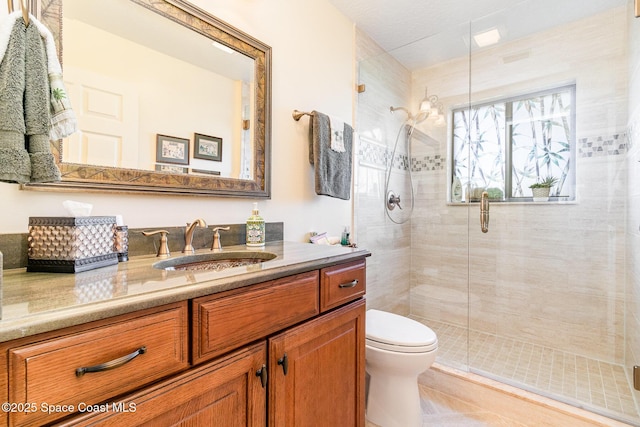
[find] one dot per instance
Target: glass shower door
(548, 279)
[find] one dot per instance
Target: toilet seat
(389, 331)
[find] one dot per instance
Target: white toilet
(398, 349)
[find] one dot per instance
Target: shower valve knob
(393, 201)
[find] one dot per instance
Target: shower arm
(419, 117)
(394, 109)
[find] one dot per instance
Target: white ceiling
(419, 33)
(137, 24)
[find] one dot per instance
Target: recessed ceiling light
(487, 38)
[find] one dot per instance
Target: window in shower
(530, 136)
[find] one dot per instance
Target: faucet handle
(163, 248)
(217, 246)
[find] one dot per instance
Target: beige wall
(312, 69)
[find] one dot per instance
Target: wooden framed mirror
(214, 125)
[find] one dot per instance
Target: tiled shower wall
(632, 290)
(565, 277)
(387, 84)
(632, 294)
(547, 274)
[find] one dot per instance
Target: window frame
(570, 183)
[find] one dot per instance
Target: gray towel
(25, 154)
(332, 169)
(15, 165)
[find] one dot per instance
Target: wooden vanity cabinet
(315, 368)
(314, 378)
(288, 352)
(317, 371)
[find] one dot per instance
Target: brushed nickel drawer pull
(116, 363)
(348, 284)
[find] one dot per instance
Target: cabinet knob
(262, 373)
(284, 362)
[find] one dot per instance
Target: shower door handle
(484, 212)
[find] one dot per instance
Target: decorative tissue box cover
(71, 244)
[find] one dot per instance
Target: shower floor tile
(598, 386)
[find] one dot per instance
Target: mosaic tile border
(601, 146)
(428, 163)
(374, 153)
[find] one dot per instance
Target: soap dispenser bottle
(255, 228)
(456, 190)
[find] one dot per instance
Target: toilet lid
(388, 331)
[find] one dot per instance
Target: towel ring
(24, 5)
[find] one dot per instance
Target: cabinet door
(325, 368)
(226, 392)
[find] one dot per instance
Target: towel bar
(297, 114)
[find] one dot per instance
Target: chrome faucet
(188, 235)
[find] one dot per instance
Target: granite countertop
(33, 303)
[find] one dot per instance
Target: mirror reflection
(169, 100)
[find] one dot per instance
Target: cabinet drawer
(46, 373)
(231, 319)
(224, 392)
(342, 283)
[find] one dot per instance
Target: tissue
(76, 209)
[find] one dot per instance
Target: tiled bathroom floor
(567, 377)
(442, 410)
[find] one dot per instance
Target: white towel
(337, 134)
(63, 119)
(6, 25)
